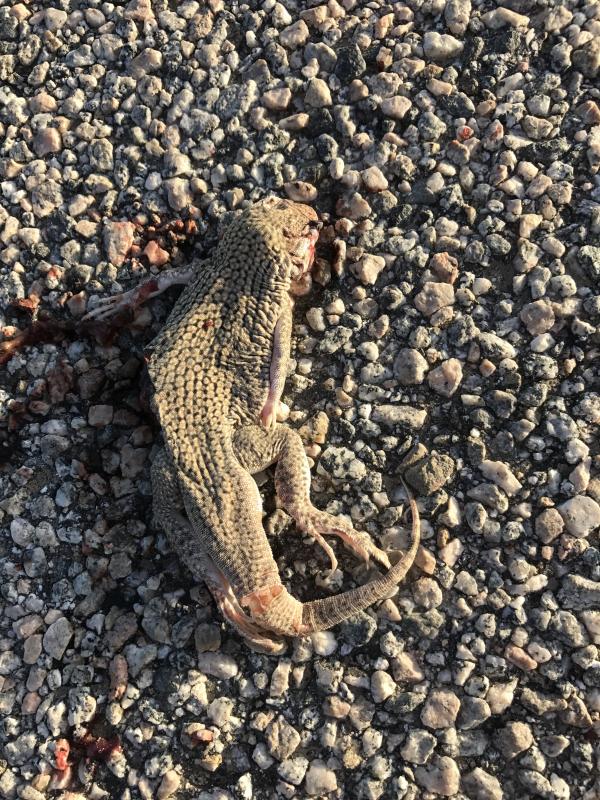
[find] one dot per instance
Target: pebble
(581, 515)
(47, 141)
(169, 785)
(410, 368)
(318, 94)
(374, 179)
(57, 637)
(396, 107)
(118, 240)
(155, 254)
(434, 296)
(440, 776)
(446, 378)
(382, 686)
(320, 780)
(418, 747)
(219, 665)
(481, 785)
(441, 709)
(500, 474)
(513, 739)
(441, 47)
(282, 739)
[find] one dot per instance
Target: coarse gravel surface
(453, 149)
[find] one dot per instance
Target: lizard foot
(230, 608)
(111, 306)
(317, 523)
(273, 411)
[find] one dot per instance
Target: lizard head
(297, 226)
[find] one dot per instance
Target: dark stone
(358, 630)
(502, 403)
(350, 63)
(9, 24)
(320, 122)
(547, 151)
(327, 147)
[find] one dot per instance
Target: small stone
(502, 16)
(318, 94)
(146, 62)
(406, 669)
(445, 267)
(293, 770)
(219, 665)
(155, 254)
(549, 525)
(410, 367)
(47, 141)
(320, 780)
(280, 679)
(140, 10)
(440, 776)
(57, 637)
(441, 709)
(396, 107)
(100, 416)
(457, 14)
(118, 239)
(277, 99)
(434, 296)
(538, 317)
(500, 696)
(374, 179)
(417, 748)
(446, 378)
(427, 593)
(300, 191)
(431, 473)
(441, 47)
(382, 686)
(220, 710)
(406, 416)
(295, 35)
(517, 656)
(514, 738)
(581, 515)
(169, 785)
(324, 643)
(369, 268)
(500, 474)
(480, 785)
(282, 738)
(179, 193)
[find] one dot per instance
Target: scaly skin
(218, 369)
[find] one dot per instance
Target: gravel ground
(454, 147)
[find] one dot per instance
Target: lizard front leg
(282, 342)
(130, 301)
(256, 449)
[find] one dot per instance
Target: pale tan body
(218, 370)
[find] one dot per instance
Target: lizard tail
(319, 615)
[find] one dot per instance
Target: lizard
(218, 369)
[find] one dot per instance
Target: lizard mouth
(303, 257)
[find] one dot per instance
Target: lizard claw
(268, 416)
(110, 306)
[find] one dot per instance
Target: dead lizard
(218, 369)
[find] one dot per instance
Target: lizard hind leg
(170, 516)
(257, 449)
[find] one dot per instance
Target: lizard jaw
(303, 258)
